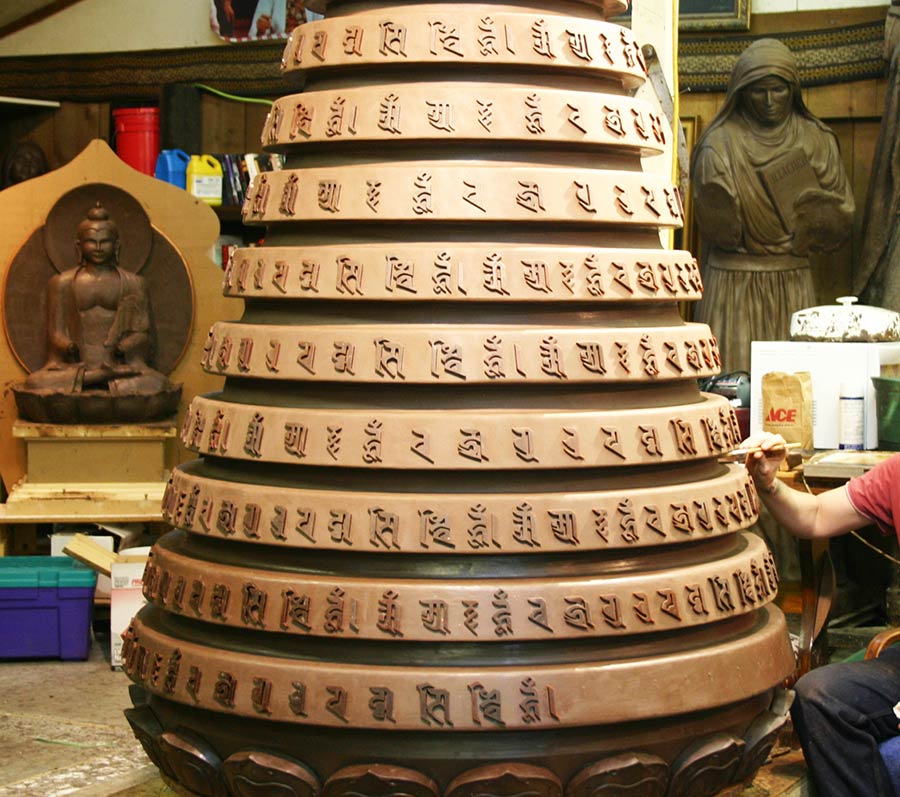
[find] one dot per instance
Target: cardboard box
(829, 365)
(126, 597)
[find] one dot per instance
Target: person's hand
(229, 11)
(263, 25)
(764, 461)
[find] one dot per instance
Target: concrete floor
(62, 731)
(63, 734)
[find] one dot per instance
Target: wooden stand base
(97, 473)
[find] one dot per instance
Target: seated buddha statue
(100, 335)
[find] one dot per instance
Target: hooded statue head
(761, 59)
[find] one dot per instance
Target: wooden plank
(843, 130)
(701, 105)
(837, 19)
(865, 141)
(831, 270)
(845, 100)
(75, 125)
(29, 125)
(881, 91)
(90, 553)
(255, 120)
(832, 103)
(223, 126)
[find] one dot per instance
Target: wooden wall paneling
(865, 140)
(831, 270)
(255, 118)
(823, 102)
(843, 129)
(834, 18)
(701, 105)
(844, 100)
(75, 125)
(881, 89)
(30, 124)
(224, 125)
(231, 126)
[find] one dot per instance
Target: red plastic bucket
(137, 137)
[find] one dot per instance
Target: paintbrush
(739, 453)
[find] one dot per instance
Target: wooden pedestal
(92, 473)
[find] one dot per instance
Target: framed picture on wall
(242, 20)
(714, 15)
(706, 15)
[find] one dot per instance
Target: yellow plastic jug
(204, 179)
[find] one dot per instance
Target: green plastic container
(887, 405)
(45, 607)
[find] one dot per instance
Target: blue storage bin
(45, 607)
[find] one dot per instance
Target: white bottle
(851, 417)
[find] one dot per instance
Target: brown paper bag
(787, 406)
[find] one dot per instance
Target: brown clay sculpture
(458, 524)
(769, 188)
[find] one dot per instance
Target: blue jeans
(842, 713)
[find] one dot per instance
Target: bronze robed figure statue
(769, 188)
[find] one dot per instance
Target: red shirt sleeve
(876, 494)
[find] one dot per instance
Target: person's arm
(802, 514)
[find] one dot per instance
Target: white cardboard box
(126, 599)
(829, 365)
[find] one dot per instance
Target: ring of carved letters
(462, 353)
(463, 610)
(437, 698)
(607, 8)
(466, 191)
(455, 111)
(462, 439)
(453, 35)
(460, 523)
(462, 271)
